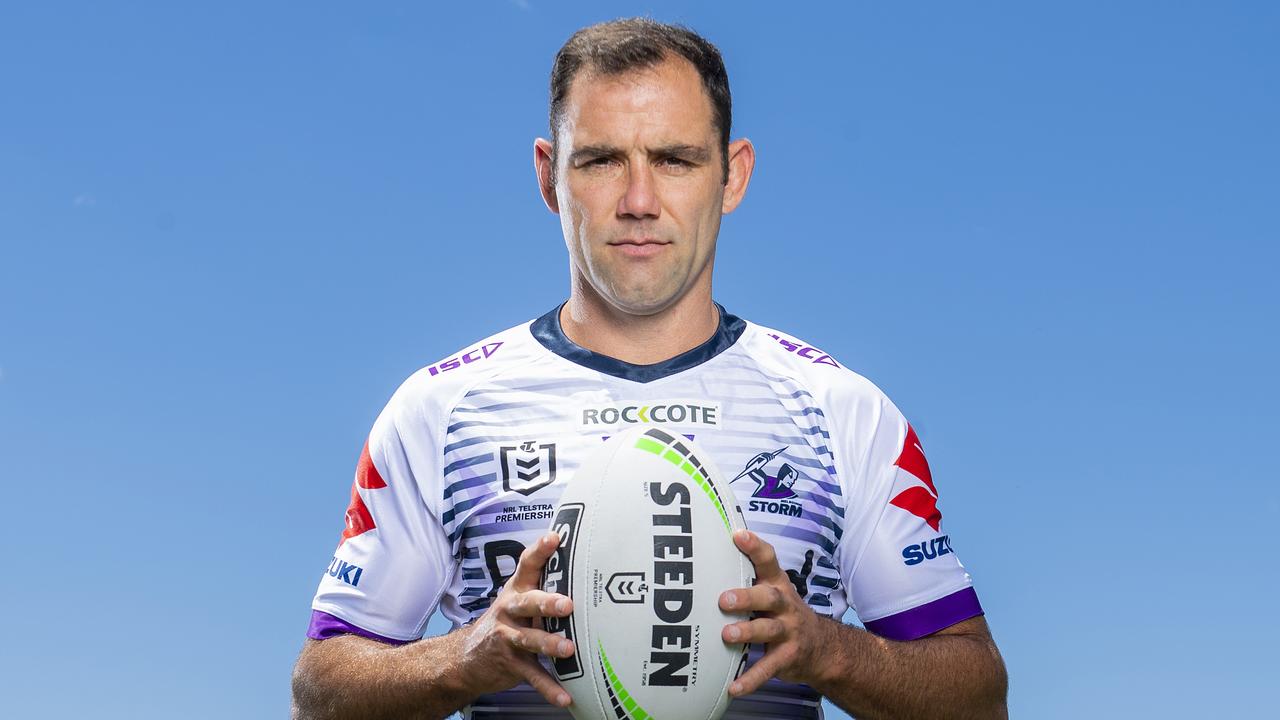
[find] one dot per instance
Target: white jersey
(467, 462)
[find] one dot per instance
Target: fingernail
(562, 605)
(563, 700)
(735, 688)
(734, 634)
(730, 599)
(564, 647)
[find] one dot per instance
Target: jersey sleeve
(393, 561)
(903, 578)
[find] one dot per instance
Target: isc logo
(811, 354)
(465, 358)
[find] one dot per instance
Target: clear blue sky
(227, 233)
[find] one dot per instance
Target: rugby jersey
(465, 465)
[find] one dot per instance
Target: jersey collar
(547, 331)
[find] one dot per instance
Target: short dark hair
(619, 46)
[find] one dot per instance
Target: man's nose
(640, 201)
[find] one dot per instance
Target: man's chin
(638, 299)
(642, 306)
(640, 309)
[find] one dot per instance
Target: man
(454, 490)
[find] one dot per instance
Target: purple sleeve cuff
(324, 626)
(928, 618)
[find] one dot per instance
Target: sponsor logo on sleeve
(343, 571)
(358, 518)
(919, 500)
(927, 550)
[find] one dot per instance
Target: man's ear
(742, 161)
(543, 165)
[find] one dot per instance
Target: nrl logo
(627, 587)
(527, 467)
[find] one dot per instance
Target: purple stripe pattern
(324, 626)
(928, 618)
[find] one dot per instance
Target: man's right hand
(501, 646)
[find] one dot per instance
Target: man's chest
(508, 455)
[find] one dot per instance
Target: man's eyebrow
(694, 153)
(594, 151)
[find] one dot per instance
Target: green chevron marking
(624, 697)
(673, 457)
(648, 445)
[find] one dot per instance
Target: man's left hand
(791, 630)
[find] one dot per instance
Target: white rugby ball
(646, 549)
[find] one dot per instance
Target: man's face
(639, 185)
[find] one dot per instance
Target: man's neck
(592, 323)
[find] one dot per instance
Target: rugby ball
(646, 548)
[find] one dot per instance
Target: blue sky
(228, 232)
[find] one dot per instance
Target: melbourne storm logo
(774, 494)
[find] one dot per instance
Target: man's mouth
(639, 247)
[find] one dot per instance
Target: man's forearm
(954, 674)
(353, 677)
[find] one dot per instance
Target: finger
(758, 675)
(766, 597)
(760, 553)
(536, 603)
(529, 568)
(538, 641)
(546, 685)
(760, 630)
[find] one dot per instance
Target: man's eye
(676, 162)
(600, 162)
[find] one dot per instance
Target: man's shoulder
(443, 381)
(821, 373)
(857, 413)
